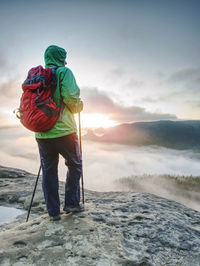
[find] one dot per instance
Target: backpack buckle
(18, 113)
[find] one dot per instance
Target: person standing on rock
(61, 139)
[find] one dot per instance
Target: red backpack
(38, 111)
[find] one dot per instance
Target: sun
(96, 121)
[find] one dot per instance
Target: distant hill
(166, 133)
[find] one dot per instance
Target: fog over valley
(105, 163)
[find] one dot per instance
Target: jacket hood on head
(55, 56)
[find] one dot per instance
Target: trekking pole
(33, 193)
(79, 122)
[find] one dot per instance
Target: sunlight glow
(8, 117)
(96, 121)
(87, 120)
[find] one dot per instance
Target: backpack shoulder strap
(54, 81)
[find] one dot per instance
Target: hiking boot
(55, 218)
(76, 208)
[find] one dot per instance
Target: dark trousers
(49, 150)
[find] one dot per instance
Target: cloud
(152, 100)
(186, 75)
(182, 89)
(10, 88)
(99, 102)
(164, 186)
(176, 93)
(126, 78)
(133, 83)
(18, 148)
(3, 61)
(187, 81)
(10, 92)
(3, 120)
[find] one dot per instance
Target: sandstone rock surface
(117, 228)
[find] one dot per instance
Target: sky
(133, 60)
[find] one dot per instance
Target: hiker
(61, 139)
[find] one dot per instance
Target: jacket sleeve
(71, 93)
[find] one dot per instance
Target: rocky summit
(117, 228)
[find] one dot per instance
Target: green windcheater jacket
(66, 84)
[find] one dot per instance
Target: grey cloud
(187, 80)
(151, 100)
(132, 82)
(10, 88)
(182, 87)
(99, 102)
(117, 71)
(124, 79)
(160, 74)
(135, 113)
(2, 120)
(184, 75)
(135, 83)
(193, 103)
(3, 61)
